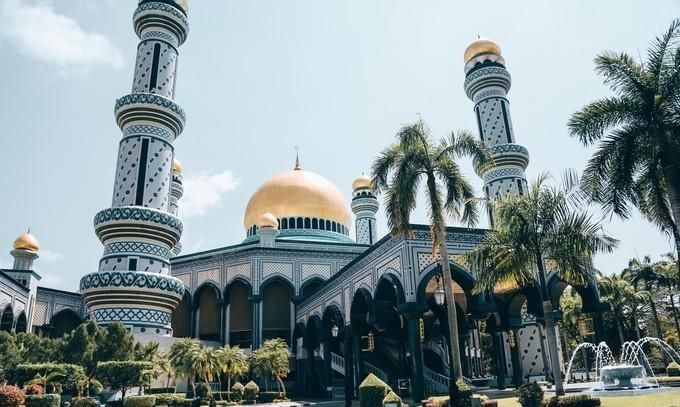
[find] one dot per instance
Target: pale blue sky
(337, 78)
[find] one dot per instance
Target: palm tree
(271, 361)
(638, 132)
(399, 172)
(546, 222)
(180, 355)
(205, 363)
(667, 275)
(234, 363)
(50, 381)
(620, 293)
(643, 271)
(165, 367)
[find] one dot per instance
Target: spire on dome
(297, 159)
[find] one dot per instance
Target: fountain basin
(620, 377)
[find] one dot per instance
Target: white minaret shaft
(365, 206)
(141, 228)
(487, 83)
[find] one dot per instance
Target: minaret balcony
(142, 108)
(138, 223)
(154, 16)
(487, 77)
(503, 155)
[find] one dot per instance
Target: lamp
(335, 330)
(439, 296)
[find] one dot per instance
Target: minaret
(133, 284)
(365, 206)
(487, 83)
(25, 252)
(176, 192)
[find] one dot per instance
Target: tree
(638, 134)
(205, 363)
(643, 271)
(399, 172)
(115, 343)
(180, 358)
(620, 293)
(9, 354)
(50, 381)
(234, 363)
(121, 375)
(668, 275)
(164, 367)
(547, 222)
(271, 361)
(80, 345)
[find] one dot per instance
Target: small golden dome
(27, 242)
(481, 46)
(176, 166)
(298, 193)
(362, 181)
(268, 221)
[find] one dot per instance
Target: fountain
(630, 374)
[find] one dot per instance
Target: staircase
(371, 368)
(338, 363)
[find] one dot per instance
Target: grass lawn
(666, 399)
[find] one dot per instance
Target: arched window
(7, 319)
(181, 319)
(208, 315)
(276, 311)
(328, 225)
(284, 223)
(299, 223)
(322, 224)
(240, 316)
(308, 223)
(334, 227)
(315, 223)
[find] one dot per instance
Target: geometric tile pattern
(208, 275)
(238, 270)
(132, 315)
(284, 269)
(322, 270)
(40, 313)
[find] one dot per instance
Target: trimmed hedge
(464, 394)
(392, 398)
(579, 400)
(87, 402)
(162, 390)
(250, 392)
(169, 399)
(372, 391)
(237, 391)
(27, 371)
(11, 396)
(673, 369)
(269, 396)
(530, 395)
(43, 400)
(139, 401)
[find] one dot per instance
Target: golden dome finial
(481, 46)
(362, 181)
(268, 221)
(297, 159)
(27, 242)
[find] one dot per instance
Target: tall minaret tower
(365, 206)
(487, 83)
(176, 192)
(133, 284)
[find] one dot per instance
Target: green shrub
(86, 402)
(392, 398)
(71, 374)
(269, 396)
(250, 392)
(530, 395)
(139, 401)
(673, 369)
(115, 403)
(121, 375)
(464, 394)
(579, 400)
(11, 396)
(162, 390)
(237, 392)
(169, 399)
(372, 391)
(33, 389)
(43, 400)
(202, 390)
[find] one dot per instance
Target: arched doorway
(7, 319)
(310, 287)
(63, 322)
(276, 310)
(240, 315)
(181, 318)
(208, 311)
(21, 323)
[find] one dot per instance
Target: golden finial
(297, 159)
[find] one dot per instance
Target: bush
(115, 403)
(11, 396)
(580, 400)
(392, 398)
(250, 392)
(33, 389)
(169, 399)
(202, 390)
(162, 390)
(139, 401)
(25, 372)
(464, 394)
(43, 400)
(237, 391)
(121, 375)
(372, 391)
(87, 402)
(673, 370)
(269, 396)
(530, 395)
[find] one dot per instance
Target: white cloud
(41, 33)
(204, 191)
(49, 256)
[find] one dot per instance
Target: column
(515, 349)
(349, 366)
(256, 304)
(499, 360)
(413, 311)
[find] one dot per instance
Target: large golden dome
(481, 46)
(298, 193)
(27, 242)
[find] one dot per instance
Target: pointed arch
(181, 317)
(7, 319)
(63, 322)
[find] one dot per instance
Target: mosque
(311, 268)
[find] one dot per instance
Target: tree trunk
(549, 321)
(635, 319)
(675, 312)
(620, 329)
(672, 177)
(229, 387)
(282, 387)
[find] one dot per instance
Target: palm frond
(590, 123)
